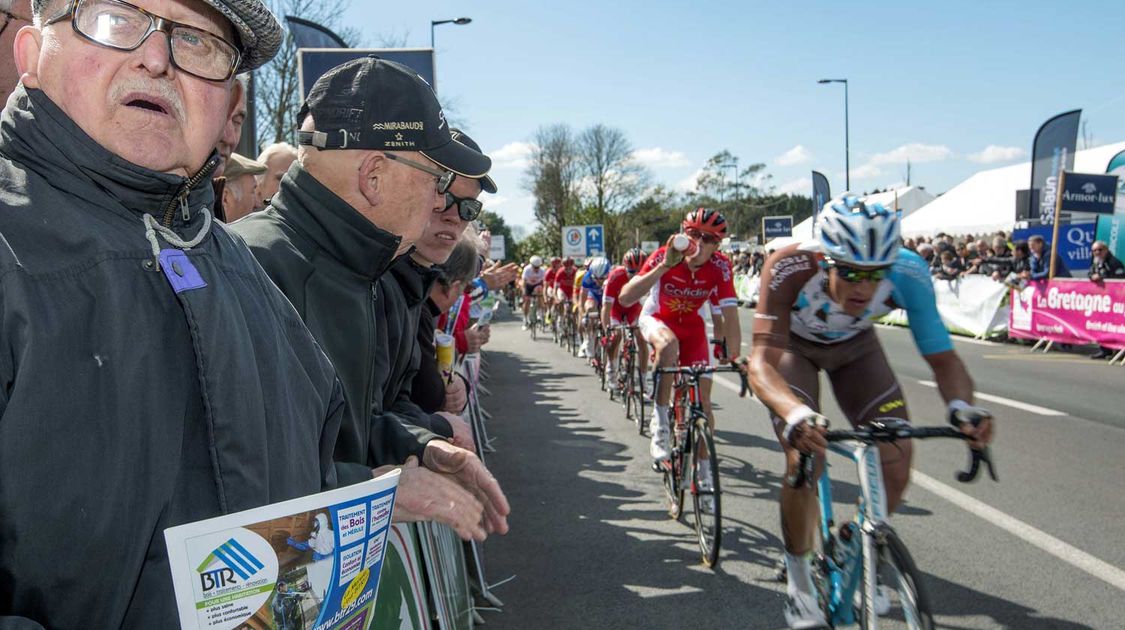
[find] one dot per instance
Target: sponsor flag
(1051, 154)
(821, 194)
(1117, 167)
(308, 34)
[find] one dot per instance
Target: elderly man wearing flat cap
(240, 188)
(151, 374)
(375, 165)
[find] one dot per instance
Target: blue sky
(938, 82)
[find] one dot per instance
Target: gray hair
(463, 263)
(276, 148)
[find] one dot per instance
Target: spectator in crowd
(277, 157)
(429, 390)
(359, 196)
(1000, 247)
(240, 186)
(15, 14)
(1104, 266)
(144, 387)
(756, 263)
(1039, 265)
(926, 251)
(950, 267)
(236, 117)
(909, 243)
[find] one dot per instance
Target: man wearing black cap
(375, 162)
(150, 372)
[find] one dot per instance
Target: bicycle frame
(872, 512)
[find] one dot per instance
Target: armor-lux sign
(1083, 192)
(777, 227)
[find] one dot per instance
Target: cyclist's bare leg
(799, 508)
(667, 348)
(642, 352)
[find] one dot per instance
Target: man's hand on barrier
(462, 432)
(477, 336)
(455, 396)
(466, 467)
(426, 495)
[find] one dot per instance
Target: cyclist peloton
(675, 291)
(818, 302)
(564, 288)
(614, 314)
(532, 277)
(590, 299)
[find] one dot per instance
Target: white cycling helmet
(598, 267)
(855, 233)
(536, 261)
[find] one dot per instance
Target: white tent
(910, 199)
(986, 201)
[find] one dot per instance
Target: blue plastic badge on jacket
(181, 274)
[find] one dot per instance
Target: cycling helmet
(569, 262)
(707, 221)
(555, 261)
(536, 262)
(599, 267)
(633, 259)
(855, 233)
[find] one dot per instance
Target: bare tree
(612, 180)
(277, 85)
(552, 177)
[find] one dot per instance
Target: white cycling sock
(800, 574)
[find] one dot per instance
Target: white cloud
(792, 157)
(687, 184)
(915, 152)
(866, 171)
(993, 154)
(512, 155)
(800, 186)
(657, 157)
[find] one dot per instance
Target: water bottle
(682, 243)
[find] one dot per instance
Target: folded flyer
(311, 562)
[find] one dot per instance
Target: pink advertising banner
(1070, 311)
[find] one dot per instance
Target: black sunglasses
(467, 208)
(854, 275)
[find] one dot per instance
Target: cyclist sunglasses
(467, 208)
(122, 26)
(854, 275)
(709, 239)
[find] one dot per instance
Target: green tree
(612, 180)
(552, 178)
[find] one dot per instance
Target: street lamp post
(847, 149)
(461, 21)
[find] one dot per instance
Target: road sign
(496, 247)
(774, 227)
(583, 240)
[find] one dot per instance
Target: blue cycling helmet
(855, 233)
(598, 267)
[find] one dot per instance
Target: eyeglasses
(695, 234)
(8, 17)
(854, 275)
(444, 178)
(122, 26)
(467, 208)
(1098, 250)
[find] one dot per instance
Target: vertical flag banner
(1117, 167)
(1052, 153)
(821, 194)
(308, 34)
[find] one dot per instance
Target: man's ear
(228, 197)
(27, 48)
(371, 176)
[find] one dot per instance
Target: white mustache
(161, 89)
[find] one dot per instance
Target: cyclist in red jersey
(549, 286)
(614, 314)
(675, 288)
(564, 286)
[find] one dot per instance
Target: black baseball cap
(486, 183)
(376, 104)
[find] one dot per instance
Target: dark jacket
(128, 407)
(1109, 269)
(328, 259)
(1040, 266)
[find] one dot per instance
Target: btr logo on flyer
(227, 565)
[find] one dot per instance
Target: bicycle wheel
(534, 328)
(909, 601)
(708, 519)
(674, 470)
(638, 391)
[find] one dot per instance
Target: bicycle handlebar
(883, 431)
(694, 372)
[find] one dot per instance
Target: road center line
(1043, 411)
(1061, 550)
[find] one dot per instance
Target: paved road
(591, 545)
